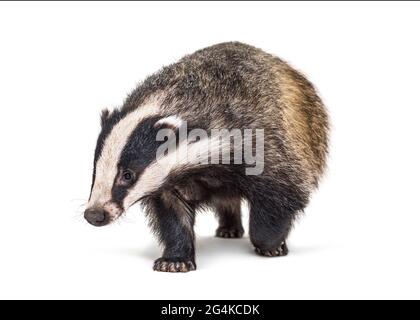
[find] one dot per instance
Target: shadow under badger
(225, 86)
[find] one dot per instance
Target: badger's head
(125, 167)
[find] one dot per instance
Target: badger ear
(104, 116)
(170, 122)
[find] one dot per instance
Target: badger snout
(97, 217)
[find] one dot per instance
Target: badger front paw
(223, 232)
(174, 265)
(282, 250)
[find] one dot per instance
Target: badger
(228, 86)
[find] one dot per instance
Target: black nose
(97, 217)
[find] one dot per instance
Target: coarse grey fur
(233, 86)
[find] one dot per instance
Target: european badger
(226, 86)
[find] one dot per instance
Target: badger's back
(234, 85)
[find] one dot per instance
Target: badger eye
(127, 176)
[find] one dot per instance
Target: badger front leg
(173, 221)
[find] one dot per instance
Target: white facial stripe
(106, 166)
(172, 121)
(113, 210)
(184, 157)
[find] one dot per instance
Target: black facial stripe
(141, 146)
(118, 194)
(107, 124)
(137, 154)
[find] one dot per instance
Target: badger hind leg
(280, 251)
(272, 213)
(228, 212)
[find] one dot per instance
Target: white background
(61, 63)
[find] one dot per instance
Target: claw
(229, 233)
(277, 252)
(173, 265)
